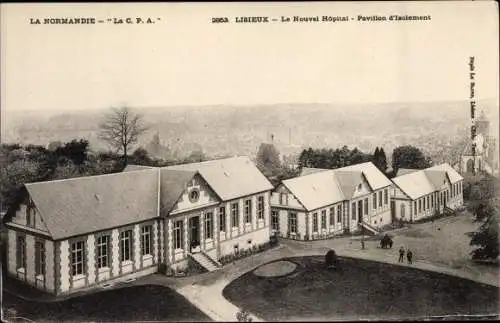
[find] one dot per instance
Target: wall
(214, 246)
(21, 218)
(11, 252)
(140, 265)
(257, 237)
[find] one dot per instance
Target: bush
(331, 259)
(273, 240)
(163, 268)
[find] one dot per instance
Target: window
(77, 258)
(21, 252)
(420, 205)
(415, 207)
(292, 222)
(386, 197)
(379, 198)
(315, 222)
(126, 245)
(428, 202)
(30, 215)
(423, 202)
(260, 207)
(235, 215)
(248, 211)
(375, 200)
(194, 195)
(275, 221)
(353, 210)
(432, 200)
(332, 216)
(366, 206)
(178, 234)
(339, 213)
(39, 258)
(146, 232)
(222, 219)
(209, 225)
(102, 251)
(403, 215)
(283, 199)
(323, 219)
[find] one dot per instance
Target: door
(194, 232)
(393, 210)
(360, 211)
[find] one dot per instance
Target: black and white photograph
(249, 161)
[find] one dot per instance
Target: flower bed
(246, 252)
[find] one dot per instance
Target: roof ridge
(89, 177)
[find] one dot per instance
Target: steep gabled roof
(315, 190)
(373, 175)
(81, 205)
(230, 178)
(348, 181)
(426, 181)
(328, 186)
(437, 177)
(453, 175)
(173, 184)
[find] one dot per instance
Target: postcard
(250, 161)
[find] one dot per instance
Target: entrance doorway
(194, 233)
(360, 211)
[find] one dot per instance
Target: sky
(184, 59)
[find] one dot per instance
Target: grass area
(359, 289)
(136, 303)
(443, 241)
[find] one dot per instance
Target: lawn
(359, 289)
(136, 303)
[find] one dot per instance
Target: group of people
(409, 255)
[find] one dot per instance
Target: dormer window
(360, 186)
(283, 199)
(30, 216)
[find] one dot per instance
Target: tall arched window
(403, 211)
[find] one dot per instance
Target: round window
(194, 195)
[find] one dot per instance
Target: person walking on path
(409, 256)
(401, 254)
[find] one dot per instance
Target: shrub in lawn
(273, 240)
(331, 259)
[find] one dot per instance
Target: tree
(268, 159)
(409, 157)
(380, 159)
(121, 128)
(486, 239)
(75, 150)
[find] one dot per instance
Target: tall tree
(379, 159)
(121, 128)
(486, 239)
(409, 157)
(268, 159)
